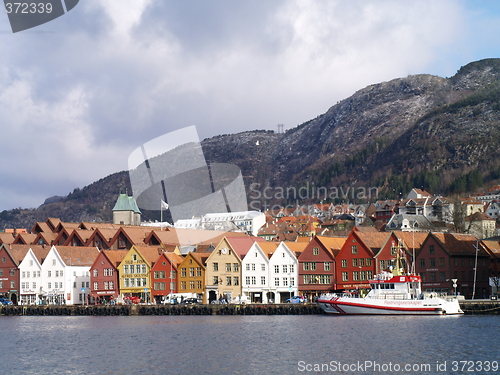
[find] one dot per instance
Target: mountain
(438, 133)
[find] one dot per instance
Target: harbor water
(278, 344)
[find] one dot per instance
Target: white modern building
(245, 221)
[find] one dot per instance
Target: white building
(244, 221)
(255, 272)
(61, 278)
(283, 274)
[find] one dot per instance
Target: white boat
(391, 293)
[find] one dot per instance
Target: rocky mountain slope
(441, 134)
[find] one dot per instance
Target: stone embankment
(254, 309)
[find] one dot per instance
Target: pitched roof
(200, 257)
(18, 252)
(333, 244)
(412, 239)
(6, 238)
(115, 256)
(373, 239)
(458, 243)
(492, 247)
(241, 245)
(150, 253)
(77, 255)
(24, 238)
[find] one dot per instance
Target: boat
(391, 293)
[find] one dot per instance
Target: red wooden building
(104, 285)
(164, 275)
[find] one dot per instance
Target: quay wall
(252, 309)
(468, 306)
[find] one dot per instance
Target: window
(111, 285)
(263, 267)
(422, 263)
(191, 284)
(34, 285)
(49, 273)
(198, 284)
(262, 280)
(431, 249)
(361, 262)
(432, 262)
(134, 257)
(13, 272)
(236, 280)
(345, 276)
(236, 268)
(126, 282)
(442, 276)
(354, 262)
(132, 282)
(292, 268)
(441, 262)
(216, 280)
(355, 276)
(228, 267)
(292, 281)
(253, 266)
(143, 268)
(362, 274)
(382, 264)
(12, 285)
(313, 266)
(110, 272)
(216, 266)
(277, 268)
(3, 259)
(191, 271)
(49, 285)
(305, 266)
(126, 269)
(344, 263)
(183, 271)
(433, 276)
(326, 266)
(228, 280)
(368, 262)
(247, 266)
(315, 251)
(285, 281)
(285, 268)
(183, 285)
(247, 280)
(96, 285)
(254, 280)
(354, 249)
(53, 262)
(276, 281)
(96, 272)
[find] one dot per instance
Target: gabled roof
(296, 247)
(6, 238)
(18, 252)
(411, 239)
(174, 258)
(82, 235)
(458, 243)
(24, 238)
(40, 227)
(201, 258)
(115, 257)
(268, 247)
(241, 245)
(47, 238)
(150, 253)
(479, 216)
(492, 247)
(77, 255)
(333, 244)
(372, 239)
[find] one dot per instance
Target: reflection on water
(238, 344)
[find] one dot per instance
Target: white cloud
(118, 73)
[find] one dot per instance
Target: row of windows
(12, 272)
(163, 274)
(317, 279)
(358, 262)
(191, 271)
(12, 284)
(132, 283)
(26, 285)
(137, 268)
(57, 285)
(235, 267)
(357, 275)
(28, 274)
(234, 280)
(162, 285)
(192, 284)
(311, 266)
(106, 272)
(108, 285)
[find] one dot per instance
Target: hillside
(442, 134)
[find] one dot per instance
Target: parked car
(5, 301)
(190, 301)
(296, 299)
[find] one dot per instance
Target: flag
(164, 204)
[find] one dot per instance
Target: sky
(80, 93)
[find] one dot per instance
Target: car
(190, 301)
(5, 302)
(296, 299)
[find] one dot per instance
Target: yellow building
(135, 273)
(223, 268)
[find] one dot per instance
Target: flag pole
(161, 214)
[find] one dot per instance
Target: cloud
(111, 75)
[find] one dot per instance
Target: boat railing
(390, 296)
